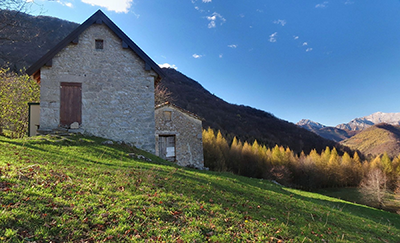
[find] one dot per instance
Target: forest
(377, 178)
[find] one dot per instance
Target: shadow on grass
(260, 190)
(240, 194)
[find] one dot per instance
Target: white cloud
(348, 2)
(295, 37)
(308, 49)
(211, 25)
(68, 4)
(214, 18)
(118, 6)
(272, 37)
(305, 44)
(280, 22)
(207, 1)
(197, 56)
(322, 5)
(221, 55)
(233, 46)
(167, 65)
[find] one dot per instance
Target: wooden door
(167, 147)
(70, 103)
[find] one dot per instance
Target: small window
(167, 115)
(99, 44)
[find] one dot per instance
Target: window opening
(167, 115)
(99, 44)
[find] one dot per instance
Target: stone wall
(117, 91)
(188, 135)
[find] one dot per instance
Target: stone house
(179, 136)
(100, 81)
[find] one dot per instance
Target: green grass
(353, 194)
(74, 189)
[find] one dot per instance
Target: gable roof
(179, 109)
(97, 18)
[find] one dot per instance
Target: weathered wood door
(166, 145)
(70, 103)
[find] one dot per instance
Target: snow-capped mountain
(362, 123)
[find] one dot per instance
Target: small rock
(133, 155)
(74, 125)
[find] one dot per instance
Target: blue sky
(328, 61)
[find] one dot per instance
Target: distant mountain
(347, 130)
(376, 140)
(308, 124)
(331, 133)
(34, 36)
(362, 123)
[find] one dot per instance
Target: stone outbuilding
(100, 82)
(179, 136)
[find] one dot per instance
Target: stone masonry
(117, 91)
(187, 129)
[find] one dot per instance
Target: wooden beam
(147, 67)
(76, 40)
(36, 76)
(49, 63)
(125, 45)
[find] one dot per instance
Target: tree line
(305, 171)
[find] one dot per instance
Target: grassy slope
(77, 189)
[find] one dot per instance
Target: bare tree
(374, 188)
(15, 7)
(162, 95)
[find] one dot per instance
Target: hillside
(25, 38)
(244, 122)
(376, 140)
(35, 35)
(59, 189)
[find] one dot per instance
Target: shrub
(16, 91)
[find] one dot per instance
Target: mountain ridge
(376, 140)
(40, 33)
(370, 120)
(346, 130)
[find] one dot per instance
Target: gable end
(98, 18)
